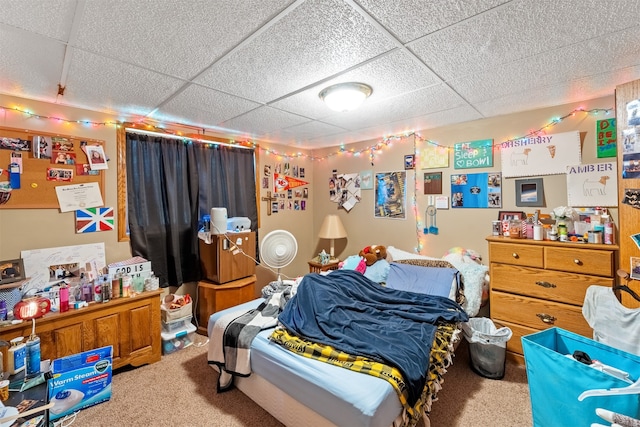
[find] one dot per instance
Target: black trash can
(487, 347)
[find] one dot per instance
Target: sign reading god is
(473, 154)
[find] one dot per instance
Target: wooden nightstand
(316, 267)
(213, 297)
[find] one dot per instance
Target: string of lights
(371, 150)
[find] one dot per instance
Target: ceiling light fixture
(345, 96)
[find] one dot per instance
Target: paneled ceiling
(252, 69)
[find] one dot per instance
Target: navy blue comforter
(353, 314)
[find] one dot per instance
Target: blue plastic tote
(556, 381)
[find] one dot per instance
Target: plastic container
(177, 340)
(487, 347)
(177, 324)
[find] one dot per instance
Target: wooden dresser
(130, 325)
(536, 285)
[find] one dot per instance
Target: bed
(299, 390)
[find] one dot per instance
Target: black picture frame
(515, 215)
(530, 192)
(11, 270)
(409, 161)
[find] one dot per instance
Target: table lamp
(332, 229)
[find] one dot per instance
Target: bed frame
(285, 408)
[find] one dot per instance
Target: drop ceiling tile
(315, 41)
(400, 127)
(619, 50)
(263, 121)
(518, 30)
(101, 84)
(391, 75)
(582, 89)
(49, 18)
(176, 38)
(411, 19)
(30, 64)
(310, 130)
(408, 105)
(203, 107)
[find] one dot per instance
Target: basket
(11, 296)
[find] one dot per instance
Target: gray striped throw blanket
(233, 333)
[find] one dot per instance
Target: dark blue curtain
(171, 184)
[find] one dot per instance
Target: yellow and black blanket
(440, 359)
(357, 316)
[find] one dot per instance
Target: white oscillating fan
(278, 249)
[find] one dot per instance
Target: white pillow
(398, 254)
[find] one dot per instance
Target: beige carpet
(180, 391)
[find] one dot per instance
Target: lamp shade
(332, 228)
(345, 96)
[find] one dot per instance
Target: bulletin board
(42, 166)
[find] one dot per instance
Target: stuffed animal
(371, 254)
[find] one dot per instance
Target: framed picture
(529, 192)
(11, 271)
(502, 215)
(409, 161)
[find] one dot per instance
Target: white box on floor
(177, 340)
(79, 381)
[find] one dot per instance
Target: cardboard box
(79, 381)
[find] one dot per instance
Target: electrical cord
(66, 421)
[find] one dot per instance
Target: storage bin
(556, 381)
(177, 340)
(177, 324)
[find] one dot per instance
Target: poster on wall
(593, 184)
(476, 190)
(432, 183)
(344, 189)
(540, 155)
(49, 265)
(631, 153)
(473, 154)
(434, 156)
(390, 195)
(284, 183)
(606, 137)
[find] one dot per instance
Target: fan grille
(278, 248)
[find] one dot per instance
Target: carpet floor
(180, 391)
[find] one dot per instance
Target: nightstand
(316, 267)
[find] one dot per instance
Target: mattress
(342, 396)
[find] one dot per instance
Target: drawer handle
(546, 318)
(546, 284)
(515, 255)
(577, 261)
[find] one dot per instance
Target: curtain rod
(168, 135)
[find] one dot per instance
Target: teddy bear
(371, 254)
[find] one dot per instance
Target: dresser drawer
(584, 261)
(513, 253)
(546, 284)
(515, 343)
(526, 311)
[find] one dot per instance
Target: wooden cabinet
(130, 325)
(536, 285)
(213, 297)
(228, 257)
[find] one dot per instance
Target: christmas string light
(370, 150)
